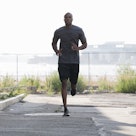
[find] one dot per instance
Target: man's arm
(58, 52)
(54, 46)
(76, 48)
(83, 46)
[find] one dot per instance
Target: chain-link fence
(92, 64)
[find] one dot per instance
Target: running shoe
(73, 92)
(66, 112)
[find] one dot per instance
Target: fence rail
(92, 64)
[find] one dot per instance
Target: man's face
(68, 19)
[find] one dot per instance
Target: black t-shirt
(67, 36)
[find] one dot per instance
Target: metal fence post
(88, 69)
(17, 68)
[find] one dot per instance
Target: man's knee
(64, 83)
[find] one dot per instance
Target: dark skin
(68, 18)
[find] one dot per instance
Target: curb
(10, 101)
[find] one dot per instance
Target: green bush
(81, 84)
(105, 84)
(53, 84)
(32, 84)
(7, 81)
(30, 81)
(4, 96)
(126, 80)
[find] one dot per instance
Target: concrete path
(91, 115)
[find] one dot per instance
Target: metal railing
(92, 64)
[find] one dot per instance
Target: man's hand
(74, 47)
(77, 48)
(59, 52)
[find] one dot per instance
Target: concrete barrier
(10, 101)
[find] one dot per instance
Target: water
(20, 66)
(11, 68)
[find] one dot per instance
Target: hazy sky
(27, 26)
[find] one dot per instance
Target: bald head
(68, 18)
(68, 14)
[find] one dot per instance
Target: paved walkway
(91, 115)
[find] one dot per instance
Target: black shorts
(68, 71)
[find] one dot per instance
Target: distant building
(111, 53)
(107, 53)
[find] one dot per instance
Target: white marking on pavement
(43, 114)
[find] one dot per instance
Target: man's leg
(64, 97)
(73, 89)
(74, 77)
(63, 70)
(64, 93)
(73, 86)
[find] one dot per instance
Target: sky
(27, 26)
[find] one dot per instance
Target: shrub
(126, 80)
(7, 81)
(104, 84)
(53, 84)
(81, 84)
(31, 82)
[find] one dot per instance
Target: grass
(125, 83)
